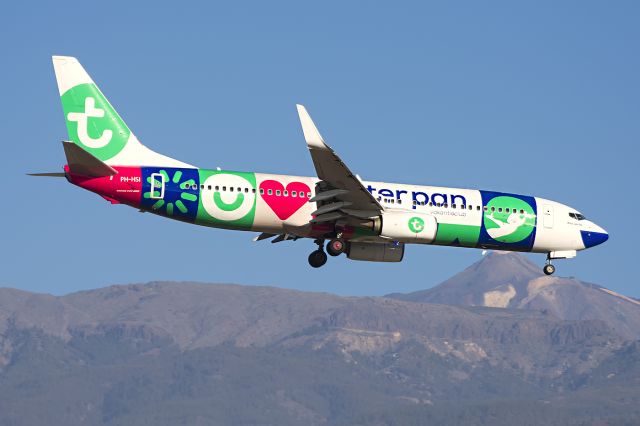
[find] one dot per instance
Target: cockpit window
(577, 216)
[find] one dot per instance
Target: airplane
(367, 221)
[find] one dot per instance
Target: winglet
(311, 133)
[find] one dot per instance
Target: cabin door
(548, 216)
(157, 186)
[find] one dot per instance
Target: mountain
(509, 280)
(187, 353)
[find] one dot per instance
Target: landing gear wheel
(335, 247)
(549, 269)
(317, 258)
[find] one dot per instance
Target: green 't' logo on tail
(92, 122)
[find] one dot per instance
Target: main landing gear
(318, 257)
(335, 247)
(548, 269)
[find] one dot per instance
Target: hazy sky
(538, 98)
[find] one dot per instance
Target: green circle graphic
(416, 224)
(92, 122)
(509, 219)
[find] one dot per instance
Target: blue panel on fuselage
(181, 192)
(509, 221)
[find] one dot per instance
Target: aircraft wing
(340, 193)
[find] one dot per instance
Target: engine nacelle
(376, 252)
(409, 227)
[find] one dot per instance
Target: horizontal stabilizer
(83, 163)
(48, 174)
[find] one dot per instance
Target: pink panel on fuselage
(272, 192)
(125, 187)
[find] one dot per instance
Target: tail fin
(95, 126)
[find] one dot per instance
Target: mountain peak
(509, 280)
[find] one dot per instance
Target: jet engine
(408, 227)
(376, 252)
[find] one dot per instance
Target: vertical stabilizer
(95, 126)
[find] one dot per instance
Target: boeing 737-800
(370, 221)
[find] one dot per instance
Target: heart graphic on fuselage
(284, 205)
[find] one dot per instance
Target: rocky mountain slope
(509, 280)
(186, 353)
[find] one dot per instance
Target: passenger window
(415, 202)
(194, 187)
(453, 206)
(308, 195)
(209, 187)
(286, 193)
(499, 209)
(261, 191)
(217, 188)
(231, 189)
(478, 208)
(438, 205)
(399, 201)
(430, 204)
(493, 209)
(521, 211)
(294, 193)
(270, 192)
(246, 190)
(470, 207)
(224, 188)
(253, 190)
(201, 186)
(277, 192)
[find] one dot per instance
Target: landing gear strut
(549, 269)
(336, 247)
(318, 257)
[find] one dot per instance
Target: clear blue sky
(538, 98)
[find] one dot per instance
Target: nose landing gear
(549, 269)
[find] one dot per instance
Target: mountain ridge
(193, 353)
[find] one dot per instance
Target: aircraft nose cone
(593, 238)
